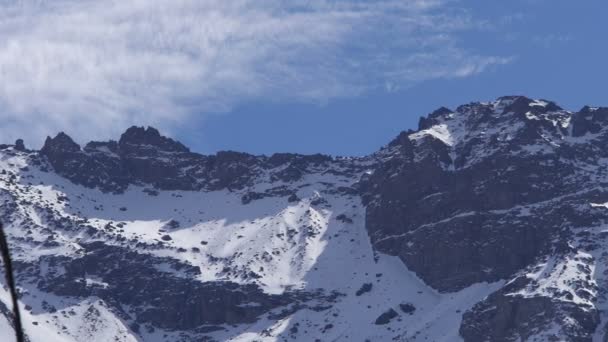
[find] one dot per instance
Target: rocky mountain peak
(60, 143)
(492, 126)
(521, 105)
(433, 118)
(149, 137)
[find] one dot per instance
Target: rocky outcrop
(448, 199)
(144, 157)
(508, 316)
(168, 297)
(20, 145)
(483, 192)
(589, 120)
(140, 139)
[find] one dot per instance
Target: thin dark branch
(10, 279)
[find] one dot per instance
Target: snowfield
(318, 242)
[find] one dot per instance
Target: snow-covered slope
(318, 242)
(488, 223)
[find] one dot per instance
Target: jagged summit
(510, 124)
(143, 156)
(517, 103)
(495, 120)
(455, 139)
(61, 142)
(140, 136)
(511, 106)
(433, 118)
(133, 137)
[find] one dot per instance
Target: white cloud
(93, 67)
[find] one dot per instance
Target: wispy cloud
(92, 67)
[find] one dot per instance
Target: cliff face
(487, 224)
(496, 191)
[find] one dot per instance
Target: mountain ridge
(486, 223)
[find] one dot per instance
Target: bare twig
(10, 279)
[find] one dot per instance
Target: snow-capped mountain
(488, 223)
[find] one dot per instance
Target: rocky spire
(60, 143)
(20, 145)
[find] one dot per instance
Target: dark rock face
(589, 120)
(481, 193)
(20, 145)
(79, 166)
(143, 156)
(137, 138)
(172, 300)
(452, 213)
(62, 143)
(504, 316)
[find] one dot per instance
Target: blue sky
(560, 53)
(341, 77)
